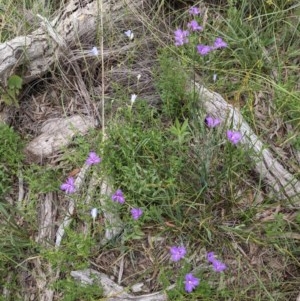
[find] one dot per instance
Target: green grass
(73, 292)
(10, 157)
(196, 189)
(19, 17)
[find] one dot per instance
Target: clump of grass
(263, 41)
(171, 78)
(72, 291)
(16, 246)
(42, 179)
(19, 17)
(145, 161)
(10, 157)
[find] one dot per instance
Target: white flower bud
(94, 213)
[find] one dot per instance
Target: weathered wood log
(73, 27)
(113, 291)
(42, 272)
(283, 183)
(57, 133)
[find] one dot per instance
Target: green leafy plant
(74, 291)
(141, 158)
(11, 92)
(11, 146)
(171, 83)
(180, 131)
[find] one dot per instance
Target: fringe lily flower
(234, 137)
(219, 43)
(181, 37)
(93, 159)
(194, 26)
(94, 51)
(212, 122)
(177, 253)
(194, 11)
(129, 34)
(136, 213)
(68, 186)
(118, 197)
(190, 282)
(133, 98)
(94, 213)
(218, 266)
(204, 49)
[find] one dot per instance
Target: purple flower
(219, 43)
(93, 159)
(68, 186)
(211, 257)
(212, 122)
(204, 49)
(190, 282)
(218, 266)
(177, 253)
(194, 11)
(136, 213)
(194, 26)
(181, 37)
(234, 137)
(118, 197)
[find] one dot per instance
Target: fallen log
(285, 186)
(113, 291)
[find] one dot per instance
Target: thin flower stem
(102, 70)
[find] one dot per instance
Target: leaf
(15, 82)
